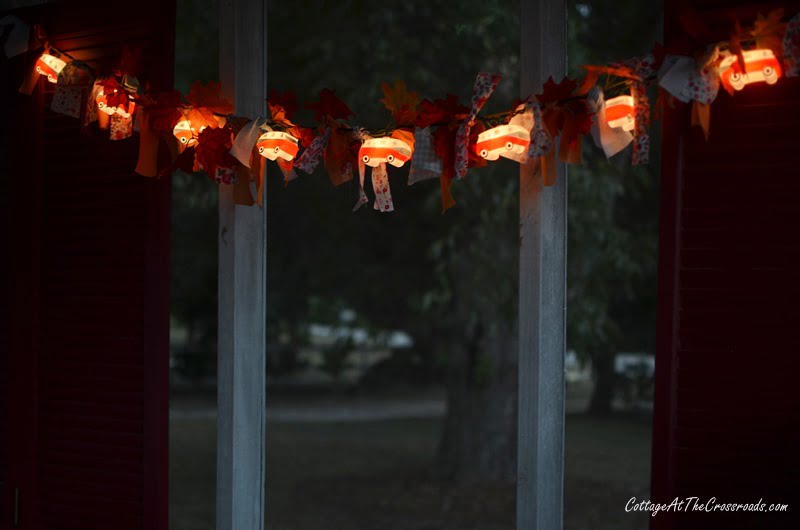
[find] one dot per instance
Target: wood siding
(727, 421)
(101, 332)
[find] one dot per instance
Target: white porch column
(542, 292)
(242, 242)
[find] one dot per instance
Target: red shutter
(727, 422)
(100, 238)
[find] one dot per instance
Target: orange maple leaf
(400, 102)
(768, 32)
(209, 96)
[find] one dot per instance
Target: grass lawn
(377, 475)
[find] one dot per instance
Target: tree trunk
(479, 440)
(604, 382)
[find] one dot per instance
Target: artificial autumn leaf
(209, 96)
(768, 32)
(278, 115)
(589, 80)
(440, 111)
(576, 122)
(406, 136)
(113, 91)
(183, 162)
(286, 101)
(444, 144)
(132, 60)
(694, 25)
(553, 93)
(162, 109)
(305, 135)
(400, 102)
(201, 117)
(329, 106)
(339, 160)
(213, 150)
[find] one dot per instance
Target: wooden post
(542, 292)
(242, 289)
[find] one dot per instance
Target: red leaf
(209, 96)
(132, 61)
(184, 162)
(306, 135)
(553, 93)
(286, 101)
(440, 111)
(329, 106)
(163, 110)
(213, 146)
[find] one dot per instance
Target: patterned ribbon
(541, 141)
(73, 83)
(643, 71)
(791, 47)
(244, 142)
(362, 169)
(484, 86)
(611, 140)
(681, 77)
(383, 193)
(425, 164)
(310, 158)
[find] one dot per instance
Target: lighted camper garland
(450, 136)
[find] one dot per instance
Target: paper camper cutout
(760, 66)
(505, 140)
(681, 77)
(49, 66)
(276, 144)
(610, 139)
(374, 151)
(186, 135)
(620, 113)
(103, 106)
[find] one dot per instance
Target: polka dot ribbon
(484, 86)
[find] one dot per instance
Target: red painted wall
(90, 325)
(727, 410)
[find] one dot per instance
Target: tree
(613, 212)
(449, 280)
